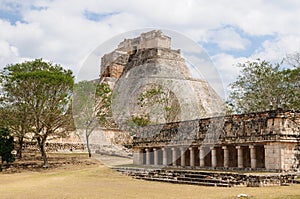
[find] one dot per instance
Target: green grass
(98, 181)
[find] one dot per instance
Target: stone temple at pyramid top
(152, 39)
(150, 47)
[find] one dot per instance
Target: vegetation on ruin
(263, 86)
(104, 112)
(142, 120)
(36, 99)
(158, 102)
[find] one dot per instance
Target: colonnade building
(267, 140)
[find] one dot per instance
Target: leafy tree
(6, 147)
(43, 90)
(16, 119)
(291, 88)
(85, 108)
(292, 79)
(263, 86)
(91, 107)
(292, 59)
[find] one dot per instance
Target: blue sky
(230, 31)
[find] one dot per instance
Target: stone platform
(209, 178)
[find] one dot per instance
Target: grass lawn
(98, 181)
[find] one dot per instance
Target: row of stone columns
(214, 158)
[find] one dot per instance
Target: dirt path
(111, 161)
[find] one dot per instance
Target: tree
(16, 119)
(85, 109)
(291, 88)
(92, 107)
(292, 59)
(14, 116)
(44, 90)
(6, 147)
(292, 79)
(262, 86)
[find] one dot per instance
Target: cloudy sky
(231, 31)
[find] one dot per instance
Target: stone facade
(266, 140)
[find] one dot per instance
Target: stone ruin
(205, 139)
(149, 60)
(265, 141)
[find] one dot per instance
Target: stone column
(240, 156)
(147, 156)
(174, 156)
(138, 157)
(201, 156)
(192, 157)
(213, 157)
(253, 156)
(226, 156)
(155, 154)
(165, 158)
(182, 159)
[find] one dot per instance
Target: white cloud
(227, 39)
(275, 50)
(227, 67)
(59, 31)
(7, 52)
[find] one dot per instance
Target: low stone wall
(55, 147)
(32, 147)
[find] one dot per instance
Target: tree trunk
(1, 163)
(41, 143)
(88, 144)
(20, 149)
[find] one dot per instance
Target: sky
(230, 31)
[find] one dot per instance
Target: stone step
(183, 181)
(207, 178)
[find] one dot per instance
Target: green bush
(6, 147)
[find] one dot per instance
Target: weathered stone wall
(261, 127)
(111, 62)
(110, 141)
(32, 147)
